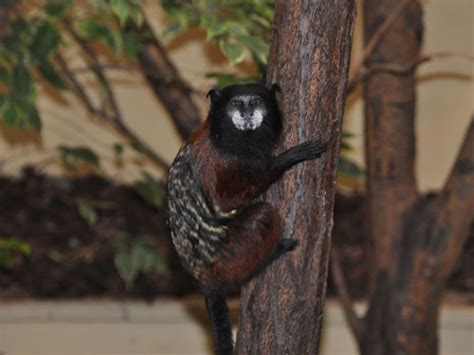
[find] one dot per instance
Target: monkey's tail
(220, 324)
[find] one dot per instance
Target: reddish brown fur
(253, 237)
(224, 181)
(252, 234)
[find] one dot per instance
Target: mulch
(71, 259)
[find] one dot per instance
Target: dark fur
(223, 236)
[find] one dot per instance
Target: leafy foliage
(347, 167)
(73, 156)
(138, 257)
(238, 27)
(87, 210)
(9, 247)
(35, 34)
(150, 189)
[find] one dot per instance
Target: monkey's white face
(246, 112)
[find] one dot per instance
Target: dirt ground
(71, 258)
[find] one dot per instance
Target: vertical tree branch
(166, 83)
(390, 130)
(456, 202)
(374, 41)
(281, 309)
(390, 155)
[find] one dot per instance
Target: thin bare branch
(96, 67)
(355, 322)
(115, 118)
(79, 90)
(144, 148)
(402, 69)
(375, 40)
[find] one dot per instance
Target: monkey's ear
(214, 94)
(274, 89)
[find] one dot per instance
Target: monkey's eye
(255, 102)
(237, 103)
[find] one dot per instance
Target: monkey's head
(244, 119)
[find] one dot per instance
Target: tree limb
(355, 322)
(80, 91)
(456, 201)
(167, 84)
(115, 119)
(402, 69)
(96, 67)
(374, 41)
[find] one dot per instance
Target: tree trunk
(415, 241)
(281, 309)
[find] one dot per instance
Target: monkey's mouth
(247, 121)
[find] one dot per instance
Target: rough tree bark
(415, 240)
(390, 156)
(281, 310)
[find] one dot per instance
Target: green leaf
(15, 244)
(10, 113)
(138, 18)
(150, 189)
(45, 41)
(121, 9)
(21, 81)
(214, 27)
(233, 52)
(6, 259)
(131, 45)
(87, 211)
(173, 28)
(136, 146)
(33, 118)
(237, 29)
(347, 134)
(51, 75)
(349, 168)
(56, 256)
(4, 75)
(9, 247)
(19, 25)
(13, 45)
(57, 8)
(74, 155)
(225, 79)
(125, 268)
(137, 258)
(118, 150)
(346, 146)
(95, 30)
(257, 46)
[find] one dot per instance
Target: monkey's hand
(304, 151)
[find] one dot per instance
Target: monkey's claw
(314, 149)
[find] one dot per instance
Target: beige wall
(446, 91)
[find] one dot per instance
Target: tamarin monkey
(223, 235)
